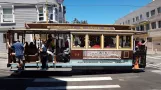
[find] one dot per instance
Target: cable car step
(39, 69)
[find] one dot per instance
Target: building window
(50, 13)
(60, 9)
(42, 13)
(4, 38)
(159, 24)
(153, 12)
(56, 11)
(128, 21)
(137, 28)
(7, 15)
(137, 18)
(147, 26)
(159, 10)
(142, 27)
(141, 17)
(153, 24)
(147, 14)
(133, 19)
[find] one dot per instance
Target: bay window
(7, 15)
(42, 10)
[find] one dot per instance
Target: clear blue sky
(95, 14)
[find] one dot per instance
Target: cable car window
(79, 41)
(125, 42)
(109, 41)
(95, 41)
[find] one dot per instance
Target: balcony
(141, 22)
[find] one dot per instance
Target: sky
(101, 11)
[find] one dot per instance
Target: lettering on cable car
(82, 27)
(101, 54)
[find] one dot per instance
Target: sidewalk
(3, 60)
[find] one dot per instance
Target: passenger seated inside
(32, 49)
(79, 41)
(65, 56)
(96, 45)
(125, 42)
(109, 42)
(94, 41)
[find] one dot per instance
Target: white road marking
(158, 56)
(153, 65)
(156, 71)
(74, 87)
(153, 57)
(72, 79)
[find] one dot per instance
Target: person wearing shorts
(19, 53)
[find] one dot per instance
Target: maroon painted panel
(127, 55)
(76, 54)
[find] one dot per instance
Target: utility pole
(46, 11)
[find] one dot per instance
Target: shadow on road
(46, 74)
(34, 80)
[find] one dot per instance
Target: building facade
(15, 13)
(147, 18)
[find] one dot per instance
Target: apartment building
(15, 13)
(147, 18)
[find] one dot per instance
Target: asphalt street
(93, 80)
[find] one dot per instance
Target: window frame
(147, 14)
(137, 18)
(2, 15)
(131, 43)
(141, 16)
(101, 42)
(133, 19)
(153, 13)
(72, 41)
(148, 26)
(115, 42)
(159, 24)
(159, 10)
(152, 25)
(44, 13)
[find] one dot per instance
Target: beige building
(147, 18)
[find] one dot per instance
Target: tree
(76, 21)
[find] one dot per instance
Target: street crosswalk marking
(73, 79)
(153, 65)
(74, 87)
(152, 57)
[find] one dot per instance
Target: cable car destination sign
(82, 27)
